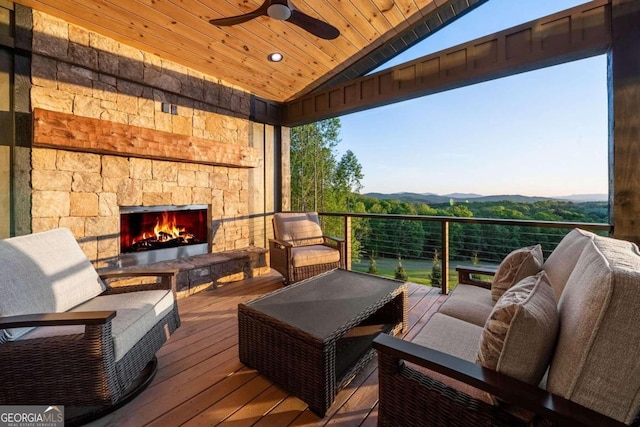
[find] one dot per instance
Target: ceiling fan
(284, 10)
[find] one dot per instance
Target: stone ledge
(199, 272)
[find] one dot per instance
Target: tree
(313, 165)
(401, 274)
(320, 183)
(436, 270)
(348, 178)
(373, 266)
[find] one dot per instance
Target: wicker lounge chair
(65, 337)
(300, 250)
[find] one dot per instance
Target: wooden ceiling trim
(575, 33)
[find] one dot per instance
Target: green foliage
(373, 266)
(436, 270)
(401, 274)
(322, 182)
(313, 165)
(475, 242)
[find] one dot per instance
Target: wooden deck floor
(201, 382)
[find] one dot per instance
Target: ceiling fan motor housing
(279, 12)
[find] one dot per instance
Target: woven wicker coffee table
(311, 338)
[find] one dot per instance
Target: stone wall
(79, 72)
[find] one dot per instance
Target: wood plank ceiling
(371, 32)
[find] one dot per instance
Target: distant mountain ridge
(431, 198)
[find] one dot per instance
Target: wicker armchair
(300, 250)
(68, 338)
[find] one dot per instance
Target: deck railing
(414, 241)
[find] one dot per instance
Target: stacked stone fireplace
(104, 143)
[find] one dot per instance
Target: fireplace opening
(149, 234)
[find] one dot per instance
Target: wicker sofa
(567, 352)
(65, 337)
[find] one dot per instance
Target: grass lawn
(418, 270)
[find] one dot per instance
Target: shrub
(373, 267)
(401, 274)
(436, 271)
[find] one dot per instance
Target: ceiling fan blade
(314, 26)
(233, 20)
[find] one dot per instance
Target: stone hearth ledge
(199, 272)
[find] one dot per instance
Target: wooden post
(624, 119)
(347, 242)
(445, 257)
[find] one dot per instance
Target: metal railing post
(347, 242)
(445, 257)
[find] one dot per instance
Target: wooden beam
(624, 128)
(68, 132)
(265, 111)
(575, 33)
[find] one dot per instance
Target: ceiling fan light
(279, 11)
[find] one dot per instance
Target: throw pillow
(520, 334)
(514, 267)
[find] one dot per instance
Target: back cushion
(42, 273)
(564, 257)
(519, 337)
(299, 229)
(596, 360)
(514, 267)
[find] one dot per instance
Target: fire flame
(166, 229)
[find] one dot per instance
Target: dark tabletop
(323, 304)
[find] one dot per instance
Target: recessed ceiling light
(275, 57)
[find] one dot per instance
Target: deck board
(201, 381)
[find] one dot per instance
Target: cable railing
(423, 247)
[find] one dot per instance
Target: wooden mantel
(69, 132)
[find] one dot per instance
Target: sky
(541, 133)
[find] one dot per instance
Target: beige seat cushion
(303, 256)
(469, 303)
(514, 267)
(299, 229)
(436, 334)
(136, 314)
(440, 330)
(520, 334)
(596, 361)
